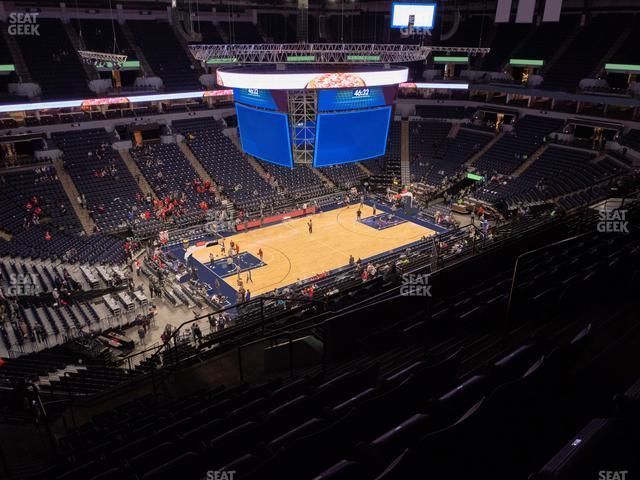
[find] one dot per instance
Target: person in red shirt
(47, 236)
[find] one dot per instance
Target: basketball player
(359, 214)
(310, 225)
(374, 209)
(260, 254)
(212, 257)
(222, 247)
(249, 277)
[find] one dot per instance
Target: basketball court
(290, 252)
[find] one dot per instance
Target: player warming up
(310, 225)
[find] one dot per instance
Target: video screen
(351, 136)
(423, 14)
(265, 135)
(352, 99)
(255, 97)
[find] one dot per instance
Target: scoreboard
(316, 118)
(354, 99)
(343, 137)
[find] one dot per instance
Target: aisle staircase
(136, 173)
(405, 160)
(453, 131)
(16, 54)
(530, 161)
(484, 150)
(89, 71)
(144, 65)
(195, 163)
(363, 168)
(88, 225)
(326, 180)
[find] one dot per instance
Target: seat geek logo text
(23, 24)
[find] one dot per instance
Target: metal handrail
(177, 330)
(515, 272)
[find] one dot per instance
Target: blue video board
(351, 136)
(352, 99)
(265, 135)
(255, 98)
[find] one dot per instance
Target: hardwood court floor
(291, 253)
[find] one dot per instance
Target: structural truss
(100, 58)
(321, 53)
(302, 123)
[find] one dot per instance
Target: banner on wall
(525, 11)
(503, 11)
(552, 9)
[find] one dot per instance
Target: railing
(155, 350)
(507, 321)
(258, 319)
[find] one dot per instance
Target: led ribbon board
(450, 59)
(311, 80)
(358, 98)
(622, 68)
(25, 107)
(526, 62)
(436, 86)
(254, 97)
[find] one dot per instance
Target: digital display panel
(310, 80)
(255, 97)
(353, 99)
(422, 13)
(265, 135)
(351, 136)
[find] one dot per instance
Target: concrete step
(185, 46)
(326, 180)
(72, 192)
(222, 32)
(200, 170)
(258, 168)
(530, 161)
(363, 168)
(484, 149)
(195, 163)
(91, 72)
(16, 54)
(137, 174)
(146, 68)
(405, 160)
(453, 131)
